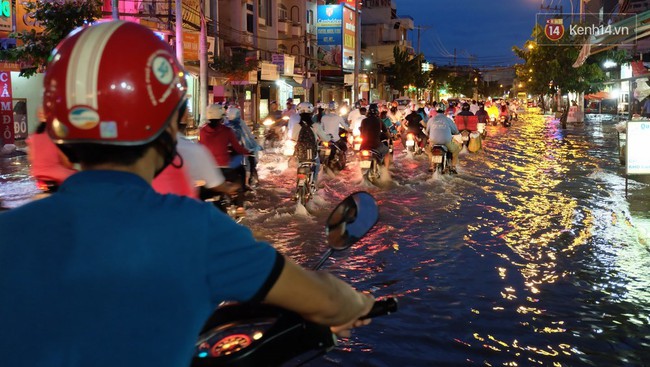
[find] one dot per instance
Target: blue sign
(330, 34)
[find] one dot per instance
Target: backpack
(306, 146)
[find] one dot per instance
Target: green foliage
(236, 67)
(58, 19)
(548, 67)
(406, 70)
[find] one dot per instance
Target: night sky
(484, 28)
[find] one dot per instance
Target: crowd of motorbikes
(335, 159)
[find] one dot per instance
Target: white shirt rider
(330, 124)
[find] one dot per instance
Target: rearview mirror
(351, 220)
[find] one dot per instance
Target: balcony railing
(296, 30)
(283, 26)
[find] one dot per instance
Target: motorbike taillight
(366, 153)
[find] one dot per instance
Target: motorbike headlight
(343, 111)
(268, 122)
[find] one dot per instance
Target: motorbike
(272, 133)
(514, 116)
(336, 162)
(252, 334)
(370, 162)
(440, 159)
(221, 201)
(305, 185)
(413, 144)
(504, 121)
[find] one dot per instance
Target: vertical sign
(349, 37)
(6, 108)
(330, 40)
(6, 21)
(638, 151)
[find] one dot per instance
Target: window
(282, 12)
(249, 18)
(265, 10)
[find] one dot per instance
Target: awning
(214, 76)
(596, 44)
(598, 96)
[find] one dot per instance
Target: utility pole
(203, 63)
(115, 11)
(179, 32)
(357, 53)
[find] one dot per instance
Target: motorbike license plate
(410, 143)
(465, 138)
(301, 182)
(357, 146)
(327, 151)
(436, 159)
(365, 164)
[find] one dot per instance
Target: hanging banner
(330, 37)
(6, 108)
(349, 37)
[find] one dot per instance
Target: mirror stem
(322, 260)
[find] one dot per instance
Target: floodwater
(531, 256)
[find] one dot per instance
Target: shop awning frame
(598, 44)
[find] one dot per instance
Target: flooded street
(530, 256)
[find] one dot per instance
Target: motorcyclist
(222, 142)
(117, 274)
(465, 110)
(415, 124)
(307, 151)
(474, 107)
(482, 114)
(371, 130)
(331, 122)
(247, 140)
(440, 130)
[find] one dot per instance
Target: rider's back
(119, 263)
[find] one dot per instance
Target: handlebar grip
(381, 308)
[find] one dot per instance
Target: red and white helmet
(112, 83)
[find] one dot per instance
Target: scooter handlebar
(382, 308)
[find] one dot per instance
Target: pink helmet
(112, 83)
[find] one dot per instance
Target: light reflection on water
(530, 256)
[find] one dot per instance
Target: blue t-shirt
(107, 272)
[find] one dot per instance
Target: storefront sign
(638, 150)
(6, 22)
(6, 109)
(25, 21)
(349, 37)
(330, 36)
(269, 71)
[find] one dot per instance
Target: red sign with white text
(6, 108)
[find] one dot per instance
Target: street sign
(638, 150)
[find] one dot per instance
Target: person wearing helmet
(482, 114)
(222, 142)
(465, 110)
(306, 148)
(331, 124)
(440, 129)
(473, 108)
(372, 129)
(117, 274)
(247, 140)
(415, 124)
(290, 109)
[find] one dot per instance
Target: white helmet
(305, 107)
(333, 106)
(214, 112)
(233, 113)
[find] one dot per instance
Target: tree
(235, 68)
(548, 67)
(400, 73)
(57, 20)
